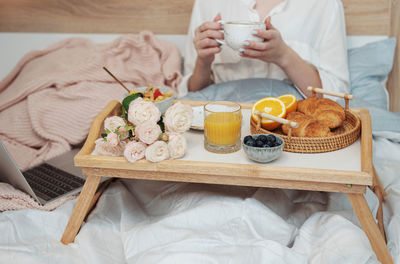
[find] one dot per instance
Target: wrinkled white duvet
(139, 221)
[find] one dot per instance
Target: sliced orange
(290, 102)
(272, 106)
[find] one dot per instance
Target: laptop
(47, 182)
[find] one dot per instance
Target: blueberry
(259, 143)
(251, 142)
(271, 138)
(263, 138)
(246, 138)
(266, 145)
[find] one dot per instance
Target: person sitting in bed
(304, 45)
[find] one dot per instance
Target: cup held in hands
(237, 32)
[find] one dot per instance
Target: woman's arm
(275, 50)
(206, 47)
(201, 76)
(299, 71)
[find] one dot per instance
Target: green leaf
(103, 135)
(161, 124)
(130, 134)
(124, 116)
(108, 131)
(127, 100)
(116, 131)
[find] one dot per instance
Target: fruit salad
(152, 94)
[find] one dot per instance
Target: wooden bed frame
(363, 17)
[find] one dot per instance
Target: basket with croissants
(318, 124)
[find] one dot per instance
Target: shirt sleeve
(190, 52)
(329, 57)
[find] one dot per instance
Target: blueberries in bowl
(259, 143)
(247, 138)
(249, 141)
(262, 140)
(263, 147)
(271, 138)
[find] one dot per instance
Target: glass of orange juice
(222, 127)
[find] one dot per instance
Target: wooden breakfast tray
(220, 168)
(203, 167)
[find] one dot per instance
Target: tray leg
(379, 191)
(379, 213)
(377, 183)
(371, 229)
(97, 195)
(81, 209)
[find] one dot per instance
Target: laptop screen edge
(12, 174)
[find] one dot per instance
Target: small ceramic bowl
(264, 154)
(162, 105)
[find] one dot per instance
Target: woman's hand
(272, 49)
(205, 40)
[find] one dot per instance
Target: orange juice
(222, 128)
(222, 125)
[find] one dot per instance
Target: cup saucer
(198, 118)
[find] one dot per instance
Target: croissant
(325, 110)
(308, 126)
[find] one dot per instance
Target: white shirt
(315, 29)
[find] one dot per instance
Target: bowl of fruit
(162, 97)
(263, 147)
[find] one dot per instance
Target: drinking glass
(222, 127)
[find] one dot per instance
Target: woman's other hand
(272, 49)
(205, 40)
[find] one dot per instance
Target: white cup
(236, 32)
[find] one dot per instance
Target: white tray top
(348, 158)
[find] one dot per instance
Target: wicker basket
(342, 137)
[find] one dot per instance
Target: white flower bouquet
(143, 133)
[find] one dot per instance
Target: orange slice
(272, 106)
(290, 102)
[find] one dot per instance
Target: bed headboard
(363, 17)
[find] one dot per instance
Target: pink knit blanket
(48, 101)
(14, 199)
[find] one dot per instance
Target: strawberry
(156, 94)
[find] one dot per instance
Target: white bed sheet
(139, 221)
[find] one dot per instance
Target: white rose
(113, 139)
(113, 122)
(104, 148)
(141, 111)
(134, 151)
(176, 146)
(156, 152)
(148, 132)
(123, 144)
(178, 118)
